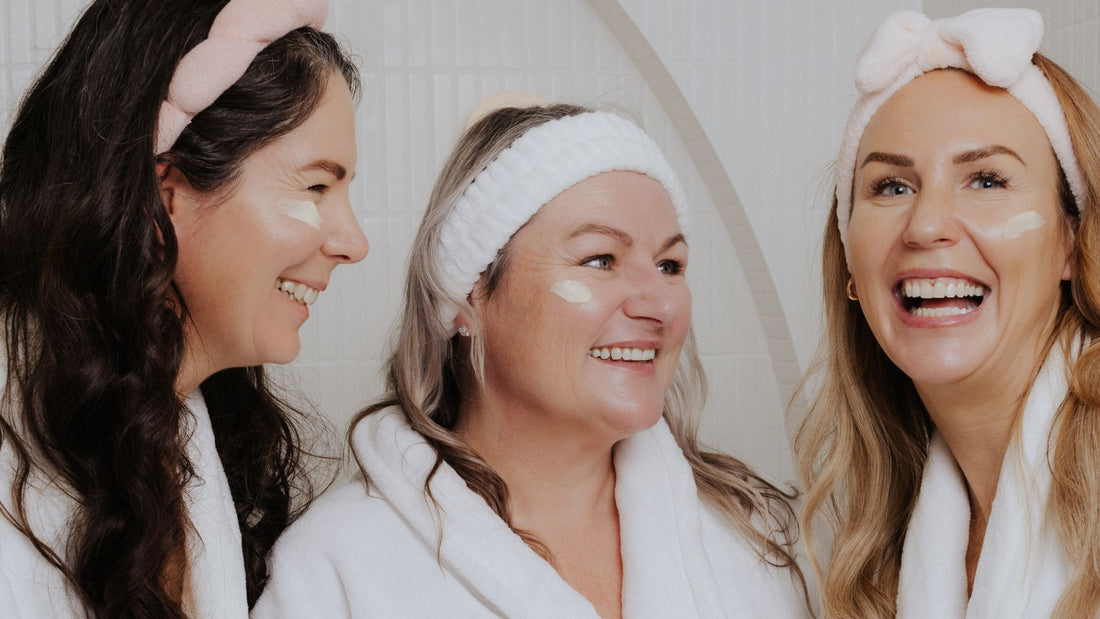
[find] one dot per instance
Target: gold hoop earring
(851, 289)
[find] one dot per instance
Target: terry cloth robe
(1022, 569)
(32, 588)
(377, 553)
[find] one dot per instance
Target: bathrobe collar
(666, 572)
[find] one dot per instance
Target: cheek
(871, 234)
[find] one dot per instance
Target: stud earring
(464, 331)
(851, 289)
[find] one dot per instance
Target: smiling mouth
(297, 291)
(940, 297)
(623, 354)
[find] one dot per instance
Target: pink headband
(996, 45)
(239, 32)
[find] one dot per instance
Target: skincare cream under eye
(572, 291)
(1016, 226)
(302, 210)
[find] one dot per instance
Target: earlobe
(1067, 271)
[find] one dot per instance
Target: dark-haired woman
(173, 197)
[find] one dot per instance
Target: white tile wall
(768, 82)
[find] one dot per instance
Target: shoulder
(344, 521)
(749, 581)
(333, 558)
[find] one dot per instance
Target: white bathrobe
(378, 553)
(1023, 568)
(32, 588)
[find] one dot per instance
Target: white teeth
(942, 288)
(297, 291)
(941, 312)
(616, 353)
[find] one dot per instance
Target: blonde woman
(536, 453)
(955, 442)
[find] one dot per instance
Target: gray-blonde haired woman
(536, 454)
(955, 443)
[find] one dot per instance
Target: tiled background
(748, 98)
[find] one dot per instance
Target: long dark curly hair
(91, 320)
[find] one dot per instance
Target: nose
(932, 219)
(655, 296)
(345, 240)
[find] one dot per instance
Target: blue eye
(670, 267)
(603, 261)
(891, 187)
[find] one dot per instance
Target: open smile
(938, 301)
(617, 353)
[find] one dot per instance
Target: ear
(175, 190)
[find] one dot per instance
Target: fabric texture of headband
(996, 45)
(538, 166)
(239, 32)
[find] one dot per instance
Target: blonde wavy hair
(862, 446)
(429, 370)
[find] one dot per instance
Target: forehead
(626, 199)
(948, 109)
(328, 133)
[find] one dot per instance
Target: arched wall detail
(720, 187)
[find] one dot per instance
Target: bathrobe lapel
(666, 571)
(1022, 570)
(477, 547)
(215, 559)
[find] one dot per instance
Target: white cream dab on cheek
(572, 291)
(302, 210)
(1016, 226)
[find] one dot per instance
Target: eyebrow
(891, 158)
(969, 156)
(988, 151)
(329, 166)
(622, 236)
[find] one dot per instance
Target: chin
(629, 421)
(281, 354)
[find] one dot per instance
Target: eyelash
(318, 188)
(882, 184)
(987, 175)
(675, 267)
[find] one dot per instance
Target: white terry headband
(241, 29)
(540, 164)
(996, 45)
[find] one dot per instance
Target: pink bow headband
(239, 32)
(996, 45)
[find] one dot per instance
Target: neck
(553, 474)
(978, 429)
(976, 417)
(195, 367)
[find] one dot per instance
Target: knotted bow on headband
(996, 45)
(239, 32)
